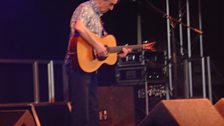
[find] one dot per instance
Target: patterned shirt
(90, 15)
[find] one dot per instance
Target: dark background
(39, 29)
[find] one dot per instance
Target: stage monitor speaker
(16, 118)
(116, 106)
(220, 106)
(183, 112)
(52, 114)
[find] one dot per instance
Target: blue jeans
(83, 97)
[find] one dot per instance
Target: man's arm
(100, 48)
(88, 36)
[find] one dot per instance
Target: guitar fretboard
(119, 48)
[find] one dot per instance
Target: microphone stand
(197, 30)
(164, 15)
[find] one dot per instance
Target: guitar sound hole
(101, 58)
(95, 56)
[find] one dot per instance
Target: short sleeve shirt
(90, 15)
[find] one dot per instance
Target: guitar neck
(119, 48)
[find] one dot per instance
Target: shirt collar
(95, 7)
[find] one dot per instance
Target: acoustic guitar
(86, 58)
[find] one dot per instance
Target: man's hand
(125, 51)
(101, 50)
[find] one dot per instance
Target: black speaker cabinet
(16, 118)
(183, 112)
(116, 106)
(52, 114)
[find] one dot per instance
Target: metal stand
(183, 54)
(189, 78)
(146, 93)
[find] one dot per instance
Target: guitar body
(84, 54)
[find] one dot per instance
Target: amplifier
(132, 59)
(138, 75)
(130, 75)
(141, 58)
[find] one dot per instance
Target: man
(85, 21)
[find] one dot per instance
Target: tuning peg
(146, 41)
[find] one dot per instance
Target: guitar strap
(72, 50)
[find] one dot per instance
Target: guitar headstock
(149, 46)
